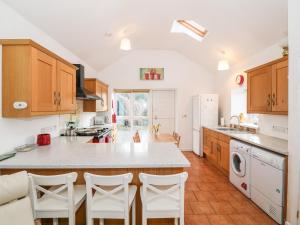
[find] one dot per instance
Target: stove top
(93, 131)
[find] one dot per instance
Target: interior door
(280, 87)
(66, 82)
(43, 82)
(259, 90)
(163, 110)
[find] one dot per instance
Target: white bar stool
(61, 200)
(163, 196)
(110, 197)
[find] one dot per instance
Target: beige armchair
(15, 204)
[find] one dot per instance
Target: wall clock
(239, 79)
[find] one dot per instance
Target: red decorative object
(43, 139)
(114, 118)
(239, 79)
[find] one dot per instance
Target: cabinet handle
(54, 95)
(59, 98)
(274, 100)
(269, 100)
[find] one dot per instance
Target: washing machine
(240, 162)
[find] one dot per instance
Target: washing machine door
(238, 164)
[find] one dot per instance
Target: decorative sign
(151, 73)
(239, 79)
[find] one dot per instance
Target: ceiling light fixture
(125, 44)
(223, 65)
(190, 28)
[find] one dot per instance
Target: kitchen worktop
(75, 152)
(270, 143)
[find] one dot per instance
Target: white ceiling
(238, 27)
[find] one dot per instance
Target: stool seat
(110, 204)
(48, 203)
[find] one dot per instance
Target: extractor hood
(81, 92)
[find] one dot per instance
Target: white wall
(14, 132)
(182, 74)
(226, 82)
(294, 111)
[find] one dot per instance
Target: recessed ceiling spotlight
(223, 63)
(125, 44)
(190, 28)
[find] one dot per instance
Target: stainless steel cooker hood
(81, 92)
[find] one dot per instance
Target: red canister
(43, 139)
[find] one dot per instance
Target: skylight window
(190, 28)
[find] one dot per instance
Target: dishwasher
(267, 182)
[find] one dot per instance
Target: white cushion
(17, 213)
(47, 203)
(161, 203)
(13, 186)
(110, 204)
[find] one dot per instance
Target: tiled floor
(212, 200)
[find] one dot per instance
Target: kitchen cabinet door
(43, 82)
(66, 87)
(259, 90)
(280, 87)
(99, 103)
(224, 155)
(214, 150)
(206, 143)
(104, 95)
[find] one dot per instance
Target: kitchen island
(68, 154)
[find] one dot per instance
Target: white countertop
(75, 152)
(273, 144)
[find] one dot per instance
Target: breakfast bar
(75, 154)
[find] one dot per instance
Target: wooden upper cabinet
(280, 87)
(267, 88)
(104, 95)
(66, 83)
(100, 89)
(259, 90)
(35, 81)
(43, 82)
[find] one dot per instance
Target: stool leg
(55, 221)
(144, 218)
(176, 221)
(181, 220)
(72, 219)
(101, 221)
(133, 212)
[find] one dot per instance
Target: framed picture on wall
(152, 73)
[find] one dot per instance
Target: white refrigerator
(205, 113)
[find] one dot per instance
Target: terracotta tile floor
(211, 199)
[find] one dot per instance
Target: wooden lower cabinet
(216, 149)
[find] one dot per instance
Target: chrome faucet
(238, 119)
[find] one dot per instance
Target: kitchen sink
(226, 129)
(232, 130)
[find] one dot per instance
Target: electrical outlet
(50, 129)
(280, 129)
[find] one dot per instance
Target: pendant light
(125, 44)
